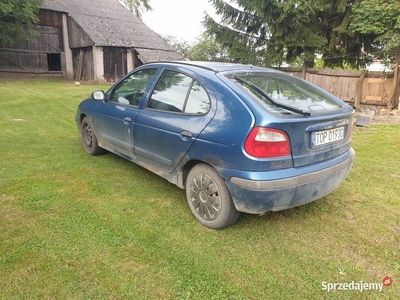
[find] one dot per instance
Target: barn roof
(109, 23)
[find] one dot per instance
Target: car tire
(209, 199)
(89, 139)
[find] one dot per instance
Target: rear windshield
(284, 89)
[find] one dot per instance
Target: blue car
(237, 138)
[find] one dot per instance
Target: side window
(131, 90)
(198, 101)
(179, 93)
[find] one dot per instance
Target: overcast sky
(178, 18)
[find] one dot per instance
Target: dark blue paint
(167, 142)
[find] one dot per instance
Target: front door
(114, 120)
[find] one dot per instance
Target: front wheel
(209, 199)
(89, 139)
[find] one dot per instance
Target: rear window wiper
(277, 104)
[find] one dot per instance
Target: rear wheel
(209, 199)
(89, 139)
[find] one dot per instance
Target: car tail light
(266, 142)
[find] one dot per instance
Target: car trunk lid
(317, 123)
(314, 140)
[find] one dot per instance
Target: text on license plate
(327, 136)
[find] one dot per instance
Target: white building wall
(68, 67)
(98, 64)
(129, 60)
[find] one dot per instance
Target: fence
(361, 89)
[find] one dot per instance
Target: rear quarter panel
(220, 143)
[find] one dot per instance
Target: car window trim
(188, 94)
(157, 79)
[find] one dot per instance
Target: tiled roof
(146, 55)
(109, 23)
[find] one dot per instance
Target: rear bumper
(260, 196)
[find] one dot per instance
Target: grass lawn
(74, 226)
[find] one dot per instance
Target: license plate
(324, 137)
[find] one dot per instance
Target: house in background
(85, 40)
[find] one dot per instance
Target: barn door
(114, 63)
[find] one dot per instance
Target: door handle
(127, 120)
(186, 134)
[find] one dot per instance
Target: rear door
(177, 111)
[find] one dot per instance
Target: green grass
(74, 226)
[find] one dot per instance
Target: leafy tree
(207, 49)
(17, 18)
(182, 46)
(279, 31)
(204, 49)
(137, 6)
(382, 18)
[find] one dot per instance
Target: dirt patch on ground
(382, 117)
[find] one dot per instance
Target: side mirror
(98, 95)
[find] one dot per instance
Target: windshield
(284, 89)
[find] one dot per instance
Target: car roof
(218, 66)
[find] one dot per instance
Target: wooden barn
(85, 40)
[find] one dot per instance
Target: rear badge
(280, 164)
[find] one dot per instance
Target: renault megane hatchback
(237, 138)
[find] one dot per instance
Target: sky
(178, 18)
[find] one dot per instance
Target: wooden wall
(42, 53)
(358, 88)
(76, 36)
(115, 63)
(83, 63)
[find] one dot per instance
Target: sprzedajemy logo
(356, 286)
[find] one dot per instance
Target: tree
(204, 49)
(137, 6)
(207, 49)
(182, 46)
(17, 18)
(382, 18)
(283, 31)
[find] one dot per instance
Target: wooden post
(304, 71)
(394, 98)
(80, 66)
(63, 65)
(308, 61)
(357, 102)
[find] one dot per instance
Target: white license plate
(327, 136)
